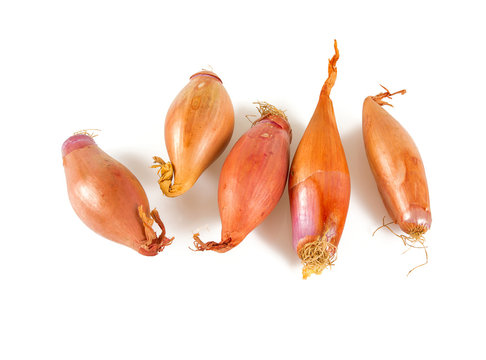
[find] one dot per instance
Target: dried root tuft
(89, 132)
(266, 109)
(316, 256)
(414, 239)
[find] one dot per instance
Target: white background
(67, 293)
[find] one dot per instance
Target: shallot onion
(108, 198)
(398, 170)
(319, 185)
(252, 179)
(198, 127)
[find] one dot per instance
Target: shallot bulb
(108, 198)
(319, 185)
(198, 127)
(398, 169)
(252, 179)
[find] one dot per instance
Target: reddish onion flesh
(252, 179)
(108, 198)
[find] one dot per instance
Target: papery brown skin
(319, 182)
(252, 180)
(397, 167)
(106, 196)
(198, 127)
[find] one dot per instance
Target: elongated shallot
(319, 185)
(398, 170)
(252, 179)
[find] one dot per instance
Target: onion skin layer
(319, 185)
(252, 180)
(198, 127)
(106, 196)
(397, 167)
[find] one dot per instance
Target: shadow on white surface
(139, 164)
(276, 229)
(363, 185)
(197, 209)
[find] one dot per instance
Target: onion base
(414, 238)
(316, 256)
(166, 173)
(221, 247)
(152, 244)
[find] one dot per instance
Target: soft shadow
(139, 166)
(363, 185)
(242, 125)
(276, 229)
(198, 207)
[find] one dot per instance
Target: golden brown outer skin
(105, 195)
(319, 183)
(397, 167)
(253, 178)
(198, 127)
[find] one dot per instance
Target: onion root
(317, 255)
(414, 239)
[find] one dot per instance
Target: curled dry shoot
(252, 179)
(398, 171)
(108, 198)
(319, 185)
(198, 127)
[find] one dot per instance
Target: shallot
(252, 179)
(398, 170)
(198, 127)
(319, 185)
(108, 198)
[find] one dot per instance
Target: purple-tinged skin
(76, 142)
